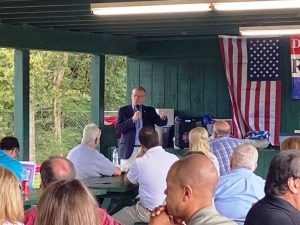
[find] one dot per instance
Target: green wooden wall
(192, 87)
(188, 75)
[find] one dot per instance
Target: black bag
(182, 128)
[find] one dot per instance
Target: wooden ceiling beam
(45, 39)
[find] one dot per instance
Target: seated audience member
(199, 141)
(11, 205)
(190, 186)
(88, 161)
(58, 168)
(67, 203)
(238, 190)
(222, 145)
(149, 170)
(290, 143)
(281, 205)
(9, 151)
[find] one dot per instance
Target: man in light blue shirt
(87, 160)
(9, 151)
(237, 191)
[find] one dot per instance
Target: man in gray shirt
(87, 160)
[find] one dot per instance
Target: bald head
(197, 171)
(61, 168)
(56, 168)
(190, 185)
(221, 128)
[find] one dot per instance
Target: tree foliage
(6, 79)
(6, 91)
(115, 82)
(59, 83)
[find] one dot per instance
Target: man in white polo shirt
(149, 170)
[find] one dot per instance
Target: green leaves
(115, 82)
(6, 79)
(59, 96)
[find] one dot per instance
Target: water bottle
(115, 157)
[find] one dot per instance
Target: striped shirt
(222, 148)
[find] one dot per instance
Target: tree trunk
(31, 131)
(57, 80)
(57, 119)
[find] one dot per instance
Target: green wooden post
(97, 90)
(21, 105)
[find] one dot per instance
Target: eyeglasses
(98, 136)
(138, 96)
(16, 151)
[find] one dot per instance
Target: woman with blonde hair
(290, 143)
(11, 205)
(67, 203)
(199, 141)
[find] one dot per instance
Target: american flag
(253, 71)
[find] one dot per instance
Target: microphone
(137, 108)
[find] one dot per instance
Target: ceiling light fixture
(149, 7)
(270, 30)
(256, 5)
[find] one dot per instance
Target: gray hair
(90, 133)
(244, 156)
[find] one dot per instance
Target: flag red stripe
(256, 106)
(247, 103)
(239, 70)
(239, 86)
(267, 109)
(277, 112)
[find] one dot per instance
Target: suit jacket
(274, 211)
(126, 127)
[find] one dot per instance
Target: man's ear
(294, 185)
(187, 193)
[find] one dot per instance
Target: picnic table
(114, 187)
(33, 196)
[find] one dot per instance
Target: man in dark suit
(131, 119)
(281, 205)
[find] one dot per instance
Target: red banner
(295, 65)
(295, 44)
